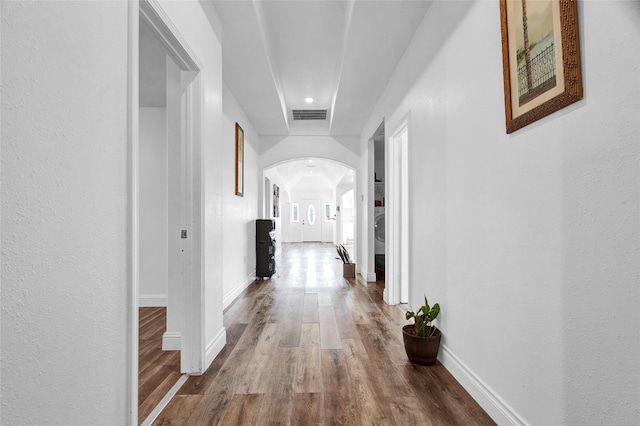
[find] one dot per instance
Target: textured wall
(64, 213)
(529, 241)
(240, 213)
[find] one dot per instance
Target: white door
(311, 221)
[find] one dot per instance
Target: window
(327, 212)
(311, 214)
(295, 215)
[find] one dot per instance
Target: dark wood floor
(309, 347)
(158, 370)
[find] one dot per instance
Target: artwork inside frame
(239, 161)
(540, 58)
(276, 201)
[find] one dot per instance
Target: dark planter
(421, 350)
(349, 270)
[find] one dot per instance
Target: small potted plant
(348, 268)
(422, 339)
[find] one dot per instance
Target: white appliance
(379, 229)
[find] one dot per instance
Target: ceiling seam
(266, 43)
(340, 64)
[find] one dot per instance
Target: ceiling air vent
(309, 114)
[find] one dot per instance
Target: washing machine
(379, 229)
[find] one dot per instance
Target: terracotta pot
(349, 270)
(421, 350)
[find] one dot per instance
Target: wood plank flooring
(309, 347)
(158, 370)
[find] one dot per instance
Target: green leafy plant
(423, 319)
(343, 253)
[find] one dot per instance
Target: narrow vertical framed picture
(239, 161)
(540, 59)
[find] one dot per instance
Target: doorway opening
(166, 243)
(306, 197)
(397, 223)
(379, 209)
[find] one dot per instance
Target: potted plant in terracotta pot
(348, 268)
(422, 339)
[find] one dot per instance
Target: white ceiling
(310, 173)
(342, 53)
(278, 52)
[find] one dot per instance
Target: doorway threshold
(165, 401)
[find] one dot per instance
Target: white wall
(65, 191)
(153, 207)
(529, 241)
(276, 149)
(64, 213)
(240, 213)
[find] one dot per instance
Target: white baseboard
(172, 341)
(152, 300)
(495, 406)
(237, 290)
(367, 275)
(385, 295)
(214, 347)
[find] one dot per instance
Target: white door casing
(397, 280)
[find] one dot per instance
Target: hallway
(309, 347)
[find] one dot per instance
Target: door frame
(397, 223)
(192, 343)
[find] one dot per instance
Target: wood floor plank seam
(308, 347)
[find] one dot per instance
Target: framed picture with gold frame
(540, 58)
(239, 161)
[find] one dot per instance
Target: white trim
(397, 223)
(368, 214)
(160, 24)
(230, 297)
(369, 277)
(215, 346)
(172, 341)
(165, 401)
(155, 18)
(488, 399)
(152, 300)
(132, 215)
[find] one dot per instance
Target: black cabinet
(265, 248)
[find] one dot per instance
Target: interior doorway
(397, 221)
(166, 241)
(347, 219)
(379, 209)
